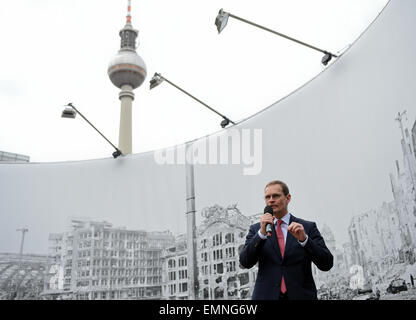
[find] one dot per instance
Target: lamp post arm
(282, 35)
(224, 117)
(93, 126)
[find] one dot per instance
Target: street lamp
(70, 112)
(158, 79)
(222, 19)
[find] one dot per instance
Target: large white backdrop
(334, 141)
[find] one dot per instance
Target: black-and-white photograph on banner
(89, 213)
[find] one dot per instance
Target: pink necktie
(281, 240)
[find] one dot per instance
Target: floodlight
(69, 113)
(221, 20)
(156, 80)
(326, 58)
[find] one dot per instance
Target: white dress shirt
(283, 226)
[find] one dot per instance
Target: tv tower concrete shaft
(125, 134)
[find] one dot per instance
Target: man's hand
(296, 229)
(265, 219)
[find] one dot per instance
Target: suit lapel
(290, 240)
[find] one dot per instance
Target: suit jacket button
(277, 284)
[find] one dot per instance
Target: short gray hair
(284, 186)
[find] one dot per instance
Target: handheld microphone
(269, 228)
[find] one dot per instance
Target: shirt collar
(286, 219)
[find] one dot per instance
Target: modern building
(13, 157)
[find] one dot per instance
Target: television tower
(127, 71)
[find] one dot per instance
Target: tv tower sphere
(127, 67)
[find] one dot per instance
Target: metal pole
(187, 93)
(282, 35)
(24, 230)
(191, 226)
(70, 104)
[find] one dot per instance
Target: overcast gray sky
(55, 52)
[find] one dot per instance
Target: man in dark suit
(284, 259)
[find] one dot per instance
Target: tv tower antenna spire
(128, 17)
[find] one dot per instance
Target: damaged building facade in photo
(96, 261)
(220, 238)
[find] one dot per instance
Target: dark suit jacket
(295, 266)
